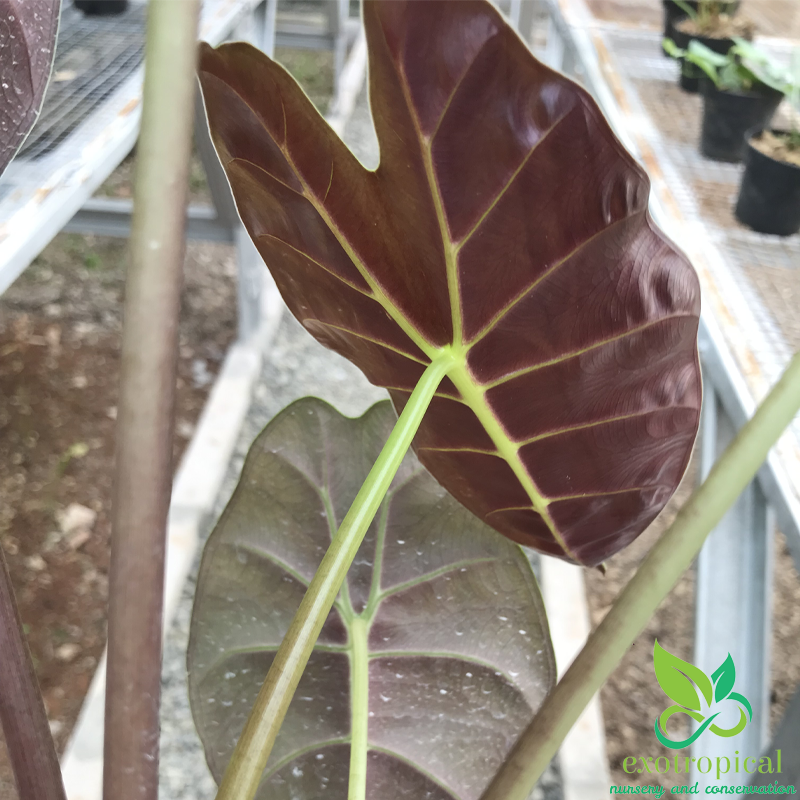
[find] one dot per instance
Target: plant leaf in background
(505, 223)
(678, 679)
(724, 676)
(437, 647)
(27, 44)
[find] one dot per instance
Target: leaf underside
(27, 43)
(457, 652)
(504, 222)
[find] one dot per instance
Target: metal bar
(339, 28)
(719, 369)
(527, 13)
(251, 274)
(220, 189)
(554, 49)
(104, 216)
(787, 741)
(307, 39)
(733, 601)
(264, 19)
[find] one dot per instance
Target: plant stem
(147, 388)
(22, 713)
(250, 756)
(660, 571)
(359, 702)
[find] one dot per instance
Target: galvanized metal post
(527, 13)
(264, 17)
(337, 11)
(553, 54)
(733, 604)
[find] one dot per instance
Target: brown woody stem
(144, 434)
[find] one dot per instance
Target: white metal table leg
(733, 603)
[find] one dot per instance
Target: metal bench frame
(64, 201)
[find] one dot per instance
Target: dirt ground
(60, 327)
(632, 698)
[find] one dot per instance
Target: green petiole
(252, 751)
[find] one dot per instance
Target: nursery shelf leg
(733, 601)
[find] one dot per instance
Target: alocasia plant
(498, 273)
(434, 657)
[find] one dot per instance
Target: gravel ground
(296, 366)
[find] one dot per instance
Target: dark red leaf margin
(27, 44)
(506, 222)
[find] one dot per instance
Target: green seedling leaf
(761, 65)
(704, 53)
(680, 680)
(27, 43)
(436, 652)
(673, 49)
(724, 676)
(505, 224)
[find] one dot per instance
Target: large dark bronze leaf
(27, 45)
(505, 222)
(434, 657)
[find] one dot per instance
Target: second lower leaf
(435, 655)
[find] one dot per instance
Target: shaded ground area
(60, 326)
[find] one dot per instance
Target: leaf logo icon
(695, 694)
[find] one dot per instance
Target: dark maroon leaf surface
(27, 45)
(506, 223)
(439, 629)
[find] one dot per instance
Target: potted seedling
(741, 91)
(712, 24)
(769, 197)
(674, 13)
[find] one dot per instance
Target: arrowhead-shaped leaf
(505, 222)
(678, 678)
(27, 45)
(724, 676)
(454, 653)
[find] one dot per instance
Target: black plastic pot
(769, 197)
(691, 74)
(728, 116)
(101, 8)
